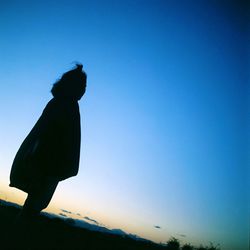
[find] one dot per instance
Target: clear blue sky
(163, 119)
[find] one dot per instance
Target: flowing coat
(51, 149)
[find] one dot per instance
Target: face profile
(72, 84)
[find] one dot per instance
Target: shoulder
(51, 104)
(61, 106)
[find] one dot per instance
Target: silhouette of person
(51, 151)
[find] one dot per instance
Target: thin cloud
(87, 218)
(64, 215)
(66, 211)
(182, 235)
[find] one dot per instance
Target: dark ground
(55, 233)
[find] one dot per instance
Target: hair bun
(79, 66)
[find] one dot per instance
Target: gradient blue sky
(163, 119)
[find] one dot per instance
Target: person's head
(72, 84)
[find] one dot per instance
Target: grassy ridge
(56, 233)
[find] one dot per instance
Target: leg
(40, 198)
(35, 202)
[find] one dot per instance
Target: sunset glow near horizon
(163, 118)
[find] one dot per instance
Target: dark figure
(50, 153)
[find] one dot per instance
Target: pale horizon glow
(163, 120)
